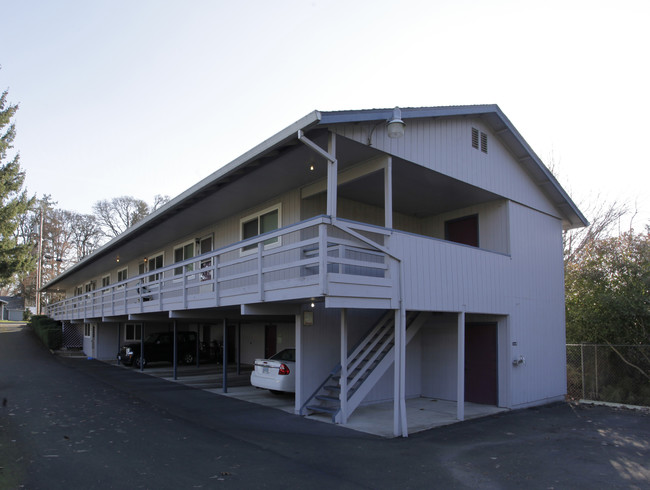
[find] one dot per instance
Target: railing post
(184, 288)
(215, 261)
(322, 256)
(260, 274)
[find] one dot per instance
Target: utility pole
(39, 269)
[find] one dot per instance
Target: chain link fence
(617, 374)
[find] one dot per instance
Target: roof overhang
(246, 163)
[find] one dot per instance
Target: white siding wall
(444, 145)
(537, 317)
(439, 342)
(225, 232)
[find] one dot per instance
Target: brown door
(481, 363)
(270, 340)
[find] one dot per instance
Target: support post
(225, 356)
(198, 343)
(298, 343)
(332, 176)
(119, 337)
(343, 396)
(175, 360)
(238, 348)
(388, 193)
(402, 374)
(142, 349)
(460, 388)
(397, 364)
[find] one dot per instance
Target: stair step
(332, 387)
(319, 409)
(327, 398)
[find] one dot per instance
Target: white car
(278, 373)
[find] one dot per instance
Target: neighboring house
(12, 308)
(426, 265)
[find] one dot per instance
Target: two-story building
(412, 253)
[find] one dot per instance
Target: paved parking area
(77, 423)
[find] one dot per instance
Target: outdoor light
(396, 125)
(117, 259)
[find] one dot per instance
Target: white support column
(298, 396)
(388, 193)
(344, 366)
(460, 388)
(397, 377)
(402, 376)
(332, 176)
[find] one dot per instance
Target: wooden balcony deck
(314, 258)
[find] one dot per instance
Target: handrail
(143, 287)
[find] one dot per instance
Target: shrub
(48, 330)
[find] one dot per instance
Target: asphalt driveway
(75, 423)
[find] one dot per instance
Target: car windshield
(285, 355)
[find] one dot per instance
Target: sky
(147, 97)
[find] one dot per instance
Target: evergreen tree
(15, 257)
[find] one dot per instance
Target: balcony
(312, 259)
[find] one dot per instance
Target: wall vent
(479, 137)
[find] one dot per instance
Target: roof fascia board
(279, 138)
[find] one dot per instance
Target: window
(106, 281)
(133, 331)
(182, 253)
(479, 140)
(86, 329)
(122, 275)
(258, 224)
(78, 291)
(463, 230)
(205, 246)
(90, 286)
(151, 264)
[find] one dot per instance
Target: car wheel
(188, 358)
(136, 362)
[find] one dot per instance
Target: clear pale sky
(148, 97)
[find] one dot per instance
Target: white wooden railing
(314, 258)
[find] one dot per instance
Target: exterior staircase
(367, 363)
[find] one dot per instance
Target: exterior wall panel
(444, 145)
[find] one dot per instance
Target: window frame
(137, 332)
(205, 263)
(147, 263)
(87, 330)
(277, 241)
(106, 281)
(119, 272)
(179, 270)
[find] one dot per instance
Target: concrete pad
(377, 419)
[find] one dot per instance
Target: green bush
(48, 330)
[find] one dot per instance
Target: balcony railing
(313, 258)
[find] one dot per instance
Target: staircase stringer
(369, 383)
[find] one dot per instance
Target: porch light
(117, 259)
(396, 126)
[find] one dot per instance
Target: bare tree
(116, 215)
(605, 218)
(158, 201)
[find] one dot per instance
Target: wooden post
(460, 388)
(343, 396)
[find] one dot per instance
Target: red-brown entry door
(481, 363)
(270, 340)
